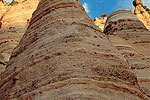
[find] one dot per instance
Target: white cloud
(86, 7)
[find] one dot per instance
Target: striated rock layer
(14, 20)
(139, 11)
(132, 39)
(64, 56)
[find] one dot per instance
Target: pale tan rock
(14, 21)
(1, 8)
(100, 22)
(18, 0)
(142, 15)
(132, 39)
(65, 56)
(131, 11)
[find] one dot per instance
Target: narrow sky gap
(9, 0)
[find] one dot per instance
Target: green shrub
(147, 9)
(103, 15)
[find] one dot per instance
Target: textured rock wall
(132, 39)
(14, 20)
(141, 13)
(64, 56)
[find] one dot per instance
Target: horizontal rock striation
(132, 39)
(122, 20)
(14, 20)
(64, 56)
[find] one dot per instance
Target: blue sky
(95, 8)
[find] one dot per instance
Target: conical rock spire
(64, 56)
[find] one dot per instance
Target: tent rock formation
(132, 38)
(139, 11)
(63, 55)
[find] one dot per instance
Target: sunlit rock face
(65, 56)
(132, 39)
(141, 13)
(1, 7)
(100, 22)
(18, 1)
(14, 21)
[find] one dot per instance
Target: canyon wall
(65, 56)
(14, 19)
(139, 11)
(132, 39)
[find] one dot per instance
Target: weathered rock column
(64, 56)
(141, 13)
(132, 39)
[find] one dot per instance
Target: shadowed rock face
(14, 20)
(132, 39)
(64, 56)
(137, 2)
(1, 1)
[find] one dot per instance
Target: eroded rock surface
(14, 20)
(141, 13)
(132, 39)
(64, 56)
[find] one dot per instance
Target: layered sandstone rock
(141, 13)
(64, 56)
(14, 20)
(100, 22)
(132, 39)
